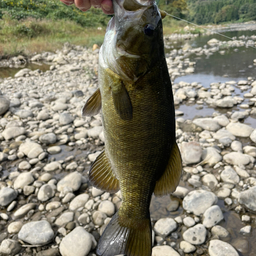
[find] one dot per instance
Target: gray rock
(43, 115)
(165, 226)
(48, 138)
(54, 150)
(53, 166)
(248, 199)
(22, 72)
(195, 235)
(236, 158)
(107, 207)
(99, 218)
(191, 152)
(14, 227)
(250, 150)
(222, 120)
(198, 201)
(31, 149)
(24, 165)
(59, 106)
(189, 222)
(4, 105)
(223, 192)
(207, 124)
(187, 247)
(222, 133)
(13, 132)
(78, 201)
(241, 172)
(239, 115)
(23, 210)
(210, 181)
(229, 175)
(70, 183)
(164, 250)
(9, 247)
(239, 129)
(220, 232)
(24, 113)
(96, 192)
(3, 157)
(23, 179)
(226, 102)
(65, 118)
(94, 132)
(211, 156)
(220, 248)
(237, 146)
(7, 195)
(212, 216)
(77, 243)
(253, 135)
(45, 193)
(36, 232)
(64, 218)
(246, 230)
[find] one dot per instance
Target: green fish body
(141, 156)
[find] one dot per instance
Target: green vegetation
(217, 11)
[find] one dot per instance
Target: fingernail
(106, 7)
(83, 9)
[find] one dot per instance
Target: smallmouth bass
(141, 156)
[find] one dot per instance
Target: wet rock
(248, 199)
(226, 102)
(207, 124)
(4, 105)
(164, 250)
(220, 248)
(7, 195)
(191, 152)
(222, 120)
(195, 235)
(239, 129)
(198, 201)
(212, 216)
(165, 226)
(77, 243)
(36, 232)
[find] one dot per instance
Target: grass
(29, 36)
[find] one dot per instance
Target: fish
(141, 156)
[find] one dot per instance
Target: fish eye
(149, 30)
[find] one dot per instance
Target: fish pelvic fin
(130, 240)
(171, 177)
(93, 104)
(101, 175)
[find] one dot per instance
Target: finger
(67, 2)
(83, 5)
(107, 6)
(96, 3)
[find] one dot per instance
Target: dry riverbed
(48, 206)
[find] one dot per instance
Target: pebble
(246, 230)
(239, 129)
(198, 201)
(7, 195)
(236, 158)
(36, 232)
(248, 199)
(195, 235)
(212, 216)
(77, 243)
(219, 231)
(107, 207)
(4, 105)
(165, 226)
(187, 247)
(64, 218)
(208, 124)
(191, 152)
(23, 179)
(48, 138)
(45, 193)
(70, 183)
(31, 149)
(189, 222)
(54, 150)
(229, 175)
(13, 132)
(78, 201)
(53, 166)
(10, 247)
(14, 227)
(220, 248)
(164, 250)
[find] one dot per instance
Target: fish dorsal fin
(171, 177)
(93, 104)
(102, 176)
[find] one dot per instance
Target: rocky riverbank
(47, 204)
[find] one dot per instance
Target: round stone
(165, 226)
(107, 207)
(195, 235)
(220, 248)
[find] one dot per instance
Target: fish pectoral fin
(119, 238)
(171, 177)
(121, 98)
(102, 176)
(93, 104)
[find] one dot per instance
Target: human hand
(85, 5)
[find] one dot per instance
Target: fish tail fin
(134, 239)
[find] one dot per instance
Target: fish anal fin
(130, 240)
(93, 104)
(171, 177)
(121, 98)
(102, 176)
